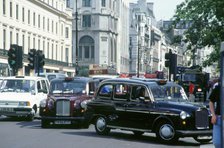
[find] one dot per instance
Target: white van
(51, 76)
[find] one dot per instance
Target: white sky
(163, 9)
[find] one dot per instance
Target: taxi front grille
(201, 119)
(63, 108)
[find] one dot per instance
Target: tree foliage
(206, 19)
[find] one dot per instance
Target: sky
(163, 9)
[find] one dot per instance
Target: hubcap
(166, 132)
(101, 124)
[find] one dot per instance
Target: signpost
(222, 92)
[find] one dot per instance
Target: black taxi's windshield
(75, 87)
(168, 92)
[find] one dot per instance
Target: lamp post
(76, 38)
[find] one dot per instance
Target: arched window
(86, 48)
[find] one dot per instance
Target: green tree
(206, 18)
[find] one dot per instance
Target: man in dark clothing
(214, 106)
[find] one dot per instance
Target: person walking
(214, 106)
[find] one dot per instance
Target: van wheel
(45, 123)
(165, 132)
(101, 126)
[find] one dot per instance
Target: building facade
(44, 25)
(145, 39)
(102, 33)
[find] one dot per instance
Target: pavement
(207, 146)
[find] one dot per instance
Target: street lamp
(76, 38)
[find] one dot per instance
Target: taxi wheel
(165, 132)
(204, 140)
(101, 126)
(45, 123)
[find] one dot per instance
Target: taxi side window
(122, 91)
(139, 92)
(106, 91)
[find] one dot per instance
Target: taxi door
(138, 108)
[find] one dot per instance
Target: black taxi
(66, 101)
(149, 106)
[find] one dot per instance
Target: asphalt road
(21, 134)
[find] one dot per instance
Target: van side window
(44, 85)
(122, 92)
(38, 86)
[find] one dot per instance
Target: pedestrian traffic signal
(12, 57)
(41, 59)
(32, 58)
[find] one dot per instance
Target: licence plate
(6, 109)
(62, 122)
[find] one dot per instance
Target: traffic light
(32, 58)
(168, 59)
(19, 57)
(12, 56)
(173, 64)
(41, 59)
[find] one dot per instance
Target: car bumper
(15, 111)
(193, 133)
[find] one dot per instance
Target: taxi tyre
(45, 123)
(101, 126)
(165, 132)
(138, 133)
(202, 141)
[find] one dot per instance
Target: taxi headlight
(184, 115)
(43, 103)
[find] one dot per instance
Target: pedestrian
(191, 91)
(214, 105)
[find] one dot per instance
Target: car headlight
(27, 103)
(50, 104)
(184, 115)
(84, 104)
(43, 103)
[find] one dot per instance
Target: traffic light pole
(222, 93)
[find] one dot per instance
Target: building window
(61, 53)
(47, 24)
(28, 16)
(52, 26)
(86, 3)
(34, 43)
(68, 3)
(52, 51)
(10, 41)
(66, 50)
(56, 52)
(17, 11)
(4, 38)
(17, 38)
(66, 32)
(62, 29)
(56, 28)
(23, 11)
(34, 19)
(103, 3)
(23, 42)
(38, 44)
(43, 47)
(39, 21)
(43, 22)
(86, 48)
(3, 7)
(10, 9)
(86, 21)
(48, 48)
(29, 43)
